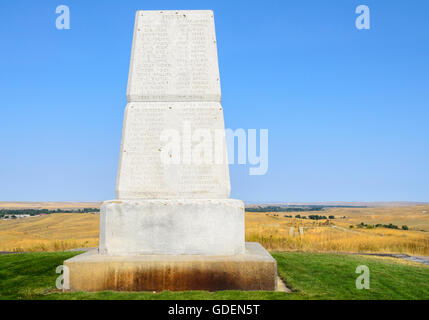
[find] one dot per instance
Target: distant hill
(334, 204)
(48, 205)
(308, 205)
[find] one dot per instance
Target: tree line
(35, 212)
(295, 208)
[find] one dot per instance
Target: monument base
(172, 226)
(255, 269)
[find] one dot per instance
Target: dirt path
(419, 259)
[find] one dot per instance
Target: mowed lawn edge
(309, 275)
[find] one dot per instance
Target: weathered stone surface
(205, 227)
(174, 57)
(253, 270)
(143, 175)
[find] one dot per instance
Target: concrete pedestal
(172, 226)
(254, 269)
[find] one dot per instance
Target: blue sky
(347, 109)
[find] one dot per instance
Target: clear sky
(347, 109)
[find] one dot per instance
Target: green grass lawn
(309, 275)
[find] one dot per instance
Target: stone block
(254, 269)
(191, 132)
(174, 57)
(186, 226)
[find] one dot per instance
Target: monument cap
(174, 57)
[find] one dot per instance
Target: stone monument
(172, 225)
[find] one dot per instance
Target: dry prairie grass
(272, 230)
(52, 232)
(416, 217)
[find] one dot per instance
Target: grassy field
(309, 275)
(416, 217)
(75, 230)
(273, 230)
(50, 233)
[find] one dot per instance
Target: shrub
(316, 217)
